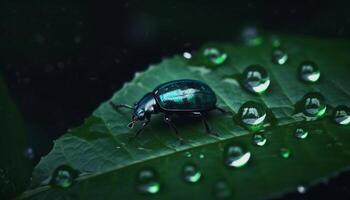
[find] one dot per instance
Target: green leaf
(15, 168)
(109, 163)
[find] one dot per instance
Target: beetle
(180, 97)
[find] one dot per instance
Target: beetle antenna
(117, 106)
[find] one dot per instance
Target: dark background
(61, 59)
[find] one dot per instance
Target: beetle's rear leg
(223, 111)
(167, 119)
(117, 106)
(205, 122)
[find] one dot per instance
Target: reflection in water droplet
(309, 71)
(301, 189)
(201, 156)
(255, 79)
(301, 133)
(314, 104)
(215, 56)
(235, 156)
(29, 153)
(147, 181)
(285, 153)
(259, 140)
(341, 115)
(222, 190)
(252, 114)
(191, 173)
(187, 55)
(279, 56)
(63, 176)
(188, 154)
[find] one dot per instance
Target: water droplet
(215, 56)
(309, 71)
(63, 176)
(222, 190)
(188, 154)
(235, 156)
(301, 189)
(314, 104)
(252, 114)
(279, 56)
(187, 55)
(301, 133)
(341, 115)
(285, 153)
(148, 181)
(201, 156)
(29, 153)
(250, 36)
(191, 173)
(259, 140)
(255, 79)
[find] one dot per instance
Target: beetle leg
(167, 120)
(207, 128)
(117, 106)
(222, 110)
(144, 124)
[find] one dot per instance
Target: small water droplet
(255, 79)
(187, 55)
(191, 173)
(201, 156)
(259, 139)
(29, 153)
(188, 154)
(279, 56)
(252, 114)
(301, 133)
(314, 104)
(341, 115)
(285, 153)
(250, 36)
(235, 156)
(63, 176)
(214, 55)
(309, 71)
(148, 181)
(222, 190)
(301, 189)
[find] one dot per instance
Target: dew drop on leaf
(252, 114)
(301, 189)
(255, 79)
(147, 181)
(187, 55)
(201, 156)
(222, 190)
(285, 153)
(279, 56)
(214, 55)
(188, 154)
(259, 139)
(341, 115)
(301, 133)
(191, 173)
(309, 72)
(236, 156)
(314, 104)
(63, 176)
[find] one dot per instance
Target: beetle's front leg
(144, 124)
(167, 120)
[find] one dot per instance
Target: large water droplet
(285, 153)
(301, 133)
(279, 56)
(215, 56)
(147, 181)
(235, 156)
(222, 190)
(341, 115)
(252, 114)
(314, 104)
(63, 176)
(259, 139)
(191, 173)
(255, 79)
(309, 71)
